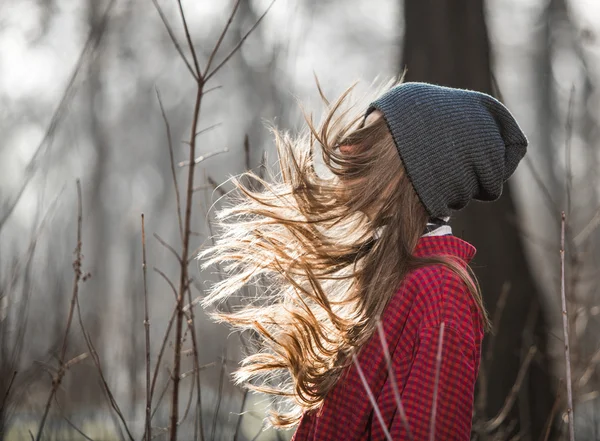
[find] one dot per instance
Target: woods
(122, 109)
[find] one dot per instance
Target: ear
(347, 149)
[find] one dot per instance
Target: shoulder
(441, 295)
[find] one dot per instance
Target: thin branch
(219, 395)
(161, 396)
(164, 276)
(165, 340)
(238, 425)
(481, 401)
(247, 151)
(188, 37)
(550, 202)
(372, 399)
(221, 37)
(184, 278)
(206, 129)
(174, 39)
(438, 365)
(69, 422)
(172, 161)
(148, 433)
(198, 421)
(105, 387)
(568, 135)
(500, 305)
(91, 44)
(510, 399)
(76, 360)
(189, 403)
(6, 395)
(565, 317)
(392, 377)
(553, 411)
(168, 247)
(57, 379)
(212, 89)
(209, 75)
(588, 229)
(202, 158)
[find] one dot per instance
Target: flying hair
(323, 254)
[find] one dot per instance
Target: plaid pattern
(411, 323)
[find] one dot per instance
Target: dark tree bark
(446, 42)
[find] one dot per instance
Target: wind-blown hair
(325, 253)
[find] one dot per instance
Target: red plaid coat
(428, 297)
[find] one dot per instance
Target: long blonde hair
(325, 253)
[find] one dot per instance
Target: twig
(174, 39)
(500, 305)
(481, 400)
(69, 422)
(548, 425)
(392, 377)
(189, 403)
(247, 151)
(438, 365)
(569, 130)
(565, 317)
(510, 399)
(372, 399)
(219, 396)
(168, 247)
(148, 433)
(238, 425)
(588, 229)
(91, 44)
(550, 202)
(109, 395)
(209, 75)
(221, 37)
(172, 161)
(161, 396)
(57, 379)
(198, 422)
(162, 350)
(206, 129)
(203, 158)
(5, 399)
(190, 42)
(184, 280)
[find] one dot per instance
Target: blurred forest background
(96, 90)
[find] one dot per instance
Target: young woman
(368, 320)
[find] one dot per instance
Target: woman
(361, 263)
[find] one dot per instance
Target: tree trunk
(446, 42)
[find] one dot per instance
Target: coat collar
(444, 245)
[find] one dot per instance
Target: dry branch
(510, 399)
(372, 399)
(148, 425)
(174, 39)
(438, 365)
(565, 320)
(392, 377)
(62, 369)
(93, 40)
(172, 162)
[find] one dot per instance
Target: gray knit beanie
(456, 145)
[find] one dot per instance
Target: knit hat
(456, 145)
